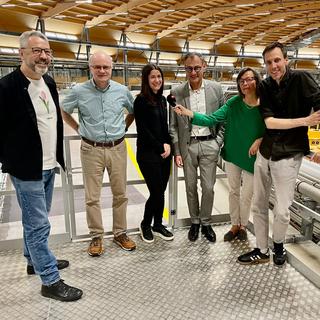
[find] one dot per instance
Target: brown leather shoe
(96, 247)
(124, 242)
(242, 235)
(229, 236)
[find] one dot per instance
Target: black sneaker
(254, 257)
(61, 291)
(162, 232)
(146, 233)
(280, 254)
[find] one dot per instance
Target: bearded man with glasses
(31, 144)
(197, 147)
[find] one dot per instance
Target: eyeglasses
(37, 51)
(190, 69)
(246, 80)
(101, 67)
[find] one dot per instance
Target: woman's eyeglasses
(246, 80)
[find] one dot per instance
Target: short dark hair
(145, 87)
(274, 45)
(256, 77)
(192, 55)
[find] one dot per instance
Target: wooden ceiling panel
(231, 22)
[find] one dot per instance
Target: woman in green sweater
(244, 128)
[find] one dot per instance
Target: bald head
(99, 55)
(100, 65)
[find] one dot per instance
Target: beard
(40, 66)
(41, 70)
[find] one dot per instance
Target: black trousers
(156, 176)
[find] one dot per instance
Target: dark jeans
(156, 176)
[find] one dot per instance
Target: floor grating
(161, 281)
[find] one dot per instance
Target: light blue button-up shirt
(101, 111)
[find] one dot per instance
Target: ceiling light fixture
(9, 50)
(261, 13)
(167, 10)
(245, 5)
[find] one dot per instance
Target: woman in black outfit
(153, 150)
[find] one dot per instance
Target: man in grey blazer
(197, 147)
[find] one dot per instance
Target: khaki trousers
(94, 161)
(240, 196)
(282, 175)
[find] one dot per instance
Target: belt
(109, 144)
(202, 138)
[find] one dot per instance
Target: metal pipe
(308, 190)
(310, 169)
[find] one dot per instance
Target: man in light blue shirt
(101, 105)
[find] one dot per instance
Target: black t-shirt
(294, 97)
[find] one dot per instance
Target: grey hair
(23, 40)
(192, 55)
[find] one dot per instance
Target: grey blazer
(180, 126)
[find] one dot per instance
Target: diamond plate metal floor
(161, 281)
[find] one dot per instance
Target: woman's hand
(167, 151)
(254, 147)
(182, 111)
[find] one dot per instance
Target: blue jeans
(34, 198)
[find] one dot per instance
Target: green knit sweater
(243, 125)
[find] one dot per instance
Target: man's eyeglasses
(246, 80)
(38, 51)
(190, 69)
(101, 67)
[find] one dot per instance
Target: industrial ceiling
(224, 28)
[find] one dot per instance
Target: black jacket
(152, 128)
(20, 143)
